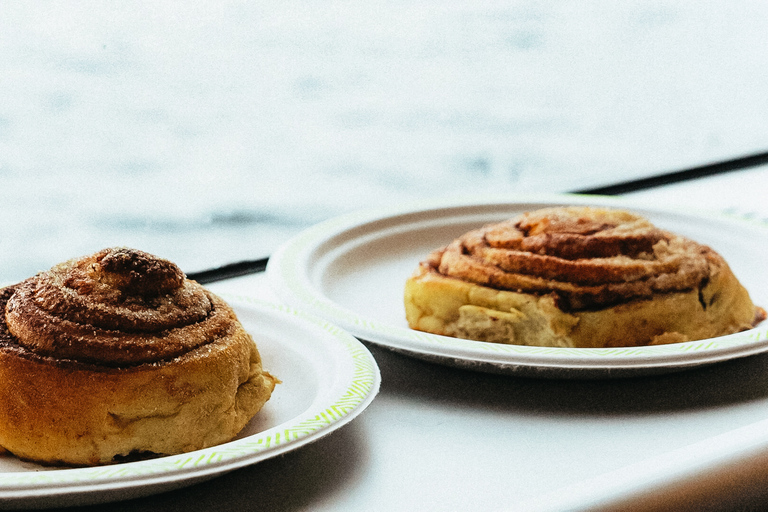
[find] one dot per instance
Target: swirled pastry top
(117, 307)
(586, 257)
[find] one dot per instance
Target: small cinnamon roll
(116, 355)
(577, 277)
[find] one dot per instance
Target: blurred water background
(211, 132)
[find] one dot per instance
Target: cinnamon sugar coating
(116, 307)
(586, 257)
(577, 277)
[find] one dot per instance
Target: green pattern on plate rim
(363, 384)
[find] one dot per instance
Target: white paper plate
(328, 378)
(352, 269)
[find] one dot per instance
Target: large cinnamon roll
(577, 277)
(118, 355)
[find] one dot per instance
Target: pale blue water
(211, 132)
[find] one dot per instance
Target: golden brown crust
(577, 276)
(118, 353)
(587, 257)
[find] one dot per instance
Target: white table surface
(439, 438)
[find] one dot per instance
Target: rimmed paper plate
(351, 270)
(328, 378)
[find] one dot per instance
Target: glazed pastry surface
(577, 277)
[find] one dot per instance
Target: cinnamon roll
(577, 277)
(117, 355)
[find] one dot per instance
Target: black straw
(702, 171)
(229, 271)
